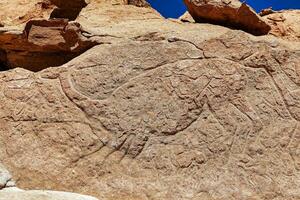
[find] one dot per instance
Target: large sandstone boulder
(18, 12)
(231, 13)
(157, 109)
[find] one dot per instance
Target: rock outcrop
(285, 24)
(156, 109)
(231, 13)
(48, 43)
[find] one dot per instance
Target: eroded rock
(139, 3)
(159, 110)
(285, 24)
(42, 44)
(228, 13)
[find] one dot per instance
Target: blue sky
(175, 8)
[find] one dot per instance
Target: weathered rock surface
(285, 24)
(158, 109)
(48, 43)
(231, 13)
(18, 12)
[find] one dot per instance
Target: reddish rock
(43, 43)
(228, 13)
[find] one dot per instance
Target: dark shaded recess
(3, 63)
(68, 9)
(66, 13)
(37, 61)
(22, 53)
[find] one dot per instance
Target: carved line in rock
(251, 116)
(83, 100)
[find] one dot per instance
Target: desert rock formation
(149, 108)
(231, 13)
(47, 43)
(285, 24)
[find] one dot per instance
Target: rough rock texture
(139, 3)
(48, 43)
(43, 32)
(18, 12)
(159, 109)
(285, 24)
(231, 13)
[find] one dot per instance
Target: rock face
(285, 24)
(48, 43)
(156, 109)
(228, 13)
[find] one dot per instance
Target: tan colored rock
(18, 12)
(285, 24)
(104, 13)
(186, 17)
(157, 110)
(266, 11)
(46, 42)
(228, 13)
(134, 125)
